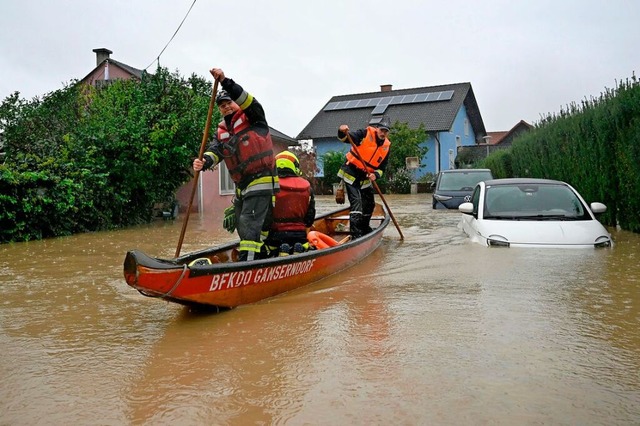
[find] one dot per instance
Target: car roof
(522, 181)
(465, 170)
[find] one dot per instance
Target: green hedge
(594, 146)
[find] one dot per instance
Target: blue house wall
(461, 129)
(324, 145)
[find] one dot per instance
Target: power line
(174, 34)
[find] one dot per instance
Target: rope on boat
(184, 271)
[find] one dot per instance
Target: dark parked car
(454, 187)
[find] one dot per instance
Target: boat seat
(347, 218)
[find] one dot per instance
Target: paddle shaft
(203, 145)
(375, 185)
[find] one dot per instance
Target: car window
(534, 201)
(475, 199)
(462, 181)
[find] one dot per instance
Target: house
(507, 139)
(214, 188)
(108, 69)
(494, 138)
(468, 155)
(449, 113)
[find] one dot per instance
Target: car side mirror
(466, 208)
(597, 208)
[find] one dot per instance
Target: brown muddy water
(429, 330)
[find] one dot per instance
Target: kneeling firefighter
(294, 210)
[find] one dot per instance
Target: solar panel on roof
(446, 95)
(380, 109)
(408, 99)
(381, 104)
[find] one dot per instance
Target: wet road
(429, 330)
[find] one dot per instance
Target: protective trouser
(253, 221)
(362, 205)
(276, 239)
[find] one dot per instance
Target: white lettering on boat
(257, 276)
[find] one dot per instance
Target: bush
(401, 181)
(499, 162)
(331, 163)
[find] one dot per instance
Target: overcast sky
(524, 59)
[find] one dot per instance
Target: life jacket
(292, 203)
(246, 152)
(372, 154)
(320, 240)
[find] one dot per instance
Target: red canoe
(212, 278)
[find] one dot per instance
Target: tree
(307, 158)
(405, 142)
(331, 163)
(85, 158)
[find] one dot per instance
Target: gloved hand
(229, 220)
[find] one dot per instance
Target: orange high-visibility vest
(372, 154)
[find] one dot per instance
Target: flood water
(432, 330)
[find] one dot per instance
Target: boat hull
(228, 284)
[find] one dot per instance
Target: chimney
(385, 87)
(102, 54)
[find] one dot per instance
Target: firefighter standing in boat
(373, 147)
(243, 142)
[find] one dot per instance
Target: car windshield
(462, 181)
(533, 202)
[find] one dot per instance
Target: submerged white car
(532, 213)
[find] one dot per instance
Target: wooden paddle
(203, 146)
(375, 185)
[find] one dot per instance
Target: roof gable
(515, 131)
(278, 136)
(131, 70)
(98, 70)
(436, 112)
(496, 137)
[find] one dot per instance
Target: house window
(226, 184)
(466, 127)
